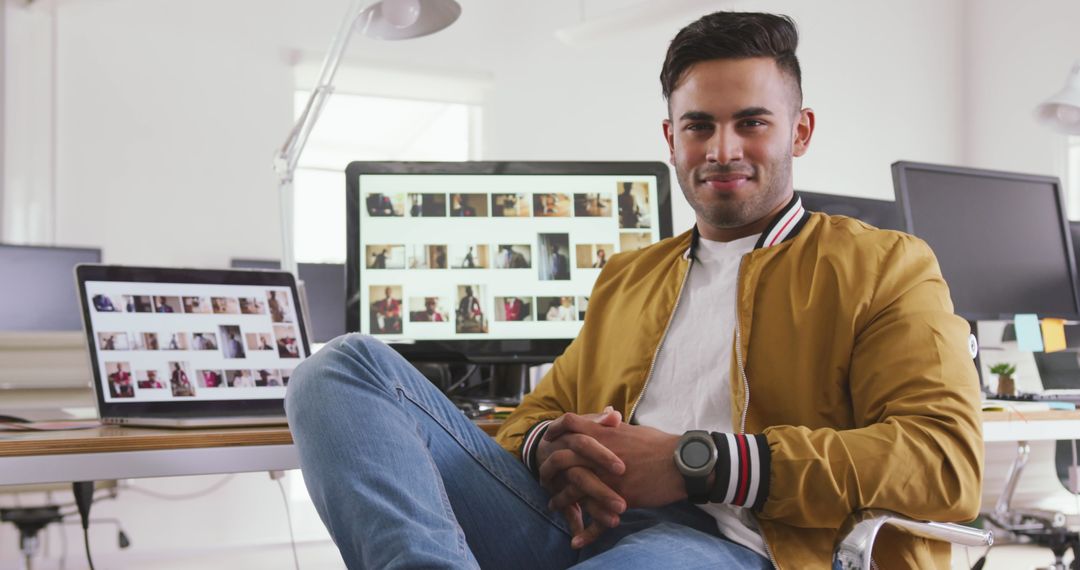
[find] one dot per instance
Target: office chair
(855, 542)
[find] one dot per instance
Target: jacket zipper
(667, 327)
(746, 392)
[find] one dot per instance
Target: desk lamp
(1062, 111)
(385, 20)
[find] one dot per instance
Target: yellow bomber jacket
(856, 379)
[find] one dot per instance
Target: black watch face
(695, 454)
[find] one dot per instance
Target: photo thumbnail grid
(497, 275)
(207, 346)
(629, 202)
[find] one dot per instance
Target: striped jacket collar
(784, 226)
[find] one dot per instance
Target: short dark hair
(733, 35)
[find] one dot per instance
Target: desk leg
(1023, 452)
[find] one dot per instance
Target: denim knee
(347, 359)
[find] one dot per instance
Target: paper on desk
(1028, 335)
(1053, 332)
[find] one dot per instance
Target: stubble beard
(727, 213)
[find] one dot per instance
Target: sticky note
(1053, 332)
(1028, 335)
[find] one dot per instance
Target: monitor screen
(39, 287)
(1000, 238)
(491, 261)
(175, 336)
(882, 214)
(324, 285)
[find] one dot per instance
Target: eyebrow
(742, 114)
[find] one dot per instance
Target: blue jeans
(401, 478)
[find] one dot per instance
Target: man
(629, 213)
(819, 356)
(560, 265)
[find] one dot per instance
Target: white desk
(127, 453)
(1030, 426)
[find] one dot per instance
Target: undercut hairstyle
(734, 35)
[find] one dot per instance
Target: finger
(561, 425)
(588, 536)
(610, 417)
(572, 514)
(599, 514)
(581, 482)
(595, 452)
(579, 454)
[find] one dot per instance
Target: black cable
(86, 541)
(84, 497)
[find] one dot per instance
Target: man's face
(733, 131)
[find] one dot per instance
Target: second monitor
(490, 261)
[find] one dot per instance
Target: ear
(669, 136)
(804, 130)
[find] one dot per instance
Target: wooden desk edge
(108, 439)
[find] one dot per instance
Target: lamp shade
(1062, 111)
(404, 19)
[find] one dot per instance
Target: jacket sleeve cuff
(742, 470)
(530, 443)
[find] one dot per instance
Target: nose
(724, 147)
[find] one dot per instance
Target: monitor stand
(478, 387)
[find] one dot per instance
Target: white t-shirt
(691, 383)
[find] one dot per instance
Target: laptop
(191, 348)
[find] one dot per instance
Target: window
(1071, 180)
(362, 127)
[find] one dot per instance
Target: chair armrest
(855, 542)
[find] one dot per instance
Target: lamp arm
(287, 157)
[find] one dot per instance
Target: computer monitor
(324, 287)
(1001, 238)
(38, 288)
(882, 214)
(490, 262)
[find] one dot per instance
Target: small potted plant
(1006, 384)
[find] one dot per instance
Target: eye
(752, 123)
(699, 127)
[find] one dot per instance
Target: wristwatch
(695, 457)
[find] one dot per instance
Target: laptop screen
(170, 342)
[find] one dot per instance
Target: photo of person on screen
(386, 310)
(232, 347)
(166, 304)
(287, 344)
(513, 257)
(382, 205)
(239, 379)
(427, 310)
(280, 310)
(148, 380)
(510, 205)
(103, 304)
(179, 382)
(553, 263)
(558, 308)
(459, 209)
(513, 309)
(592, 205)
(634, 205)
(119, 374)
(470, 313)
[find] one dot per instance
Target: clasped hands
(597, 464)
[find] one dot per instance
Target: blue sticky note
(1028, 333)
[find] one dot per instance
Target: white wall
(168, 112)
(27, 184)
(1018, 59)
